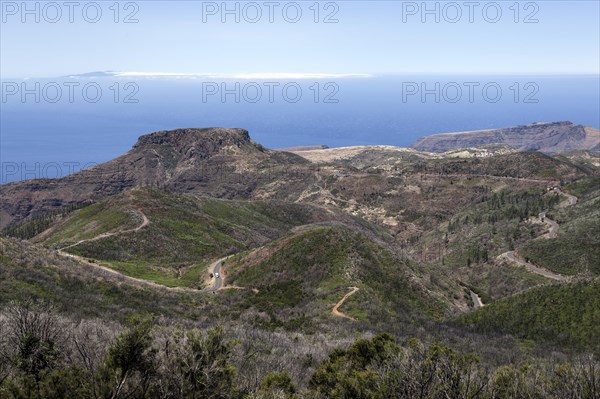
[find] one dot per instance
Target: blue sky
(369, 37)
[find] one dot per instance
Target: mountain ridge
(218, 162)
(547, 137)
(227, 163)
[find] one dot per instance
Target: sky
(341, 37)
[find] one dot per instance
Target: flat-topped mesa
(549, 137)
(182, 140)
(216, 162)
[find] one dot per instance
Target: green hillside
(577, 247)
(32, 272)
(184, 234)
(565, 315)
(320, 264)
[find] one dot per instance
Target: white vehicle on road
(216, 275)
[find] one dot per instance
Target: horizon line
(287, 75)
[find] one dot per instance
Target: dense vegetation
(565, 315)
(501, 218)
(576, 250)
(44, 355)
(496, 224)
(37, 225)
(380, 368)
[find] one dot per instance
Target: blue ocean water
(78, 122)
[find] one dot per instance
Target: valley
(316, 267)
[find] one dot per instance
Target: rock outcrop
(555, 137)
(219, 162)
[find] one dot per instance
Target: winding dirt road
(553, 232)
(132, 280)
(572, 200)
(214, 267)
(145, 222)
(335, 310)
(514, 257)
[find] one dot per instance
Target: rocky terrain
(226, 163)
(554, 137)
(269, 260)
(217, 162)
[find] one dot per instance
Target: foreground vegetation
(44, 355)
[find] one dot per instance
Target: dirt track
(514, 257)
(132, 280)
(145, 222)
(335, 310)
(107, 270)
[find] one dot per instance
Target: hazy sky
(368, 37)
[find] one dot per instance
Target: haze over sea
(51, 139)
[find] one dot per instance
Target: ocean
(53, 127)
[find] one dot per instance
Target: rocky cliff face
(555, 137)
(223, 163)
(193, 142)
